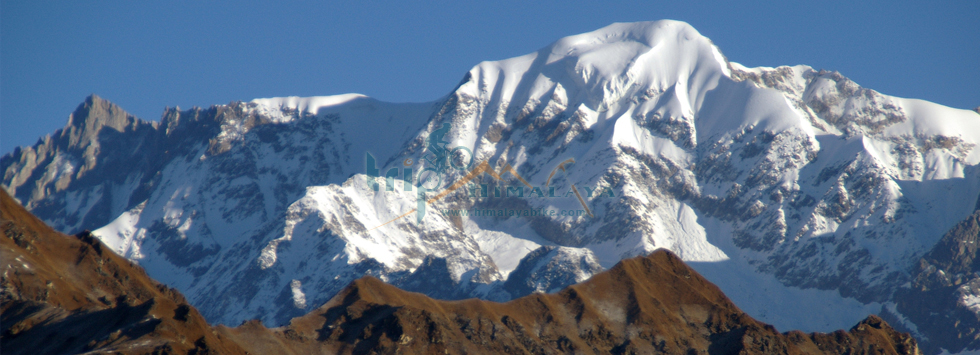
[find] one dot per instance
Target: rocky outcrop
(943, 299)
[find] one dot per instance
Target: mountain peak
(601, 67)
(96, 112)
(92, 115)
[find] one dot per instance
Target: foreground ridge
(652, 304)
(67, 295)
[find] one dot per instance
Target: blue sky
(147, 55)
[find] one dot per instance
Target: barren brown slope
(64, 295)
(644, 305)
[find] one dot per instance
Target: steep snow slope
(804, 196)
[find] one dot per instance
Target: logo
(438, 161)
(439, 158)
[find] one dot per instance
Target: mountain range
(809, 200)
(64, 294)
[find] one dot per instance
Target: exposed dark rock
(942, 299)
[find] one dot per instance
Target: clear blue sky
(147, 55)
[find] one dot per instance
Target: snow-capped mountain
(805, 197)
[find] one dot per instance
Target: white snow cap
(615, 60)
